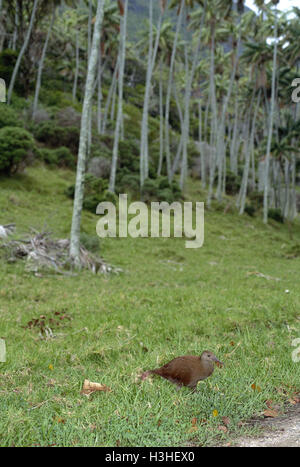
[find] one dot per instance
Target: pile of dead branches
(42, 253)
(6, 230)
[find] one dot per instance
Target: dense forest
(175, 102)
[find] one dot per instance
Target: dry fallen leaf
(89, 387)
(222, 428)
(59, 420)
(294, 400)
(270, 413)
(194, 421)
(226, 420)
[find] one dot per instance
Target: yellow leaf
(255, 388)
(215, 413)
(51, 367)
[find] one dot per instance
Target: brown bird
(186, 370)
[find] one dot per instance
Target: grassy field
(169, 301)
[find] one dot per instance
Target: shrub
(233, 183)
(91, 202)
(46, 155)
(250, 210)
(256, 198)
(8, 59)
(95, 192)
(150, 190)
(163, 182)
(129, 155)
(9, 118)
(129, 183)
(90, 242)
(56, 136)
(293, 251)
(161, 190)
(99, 167)
(15, 146)
(65, 158)
(68, 116)
(55, 98)
(276, 215)
(166, 195)
(61, 157)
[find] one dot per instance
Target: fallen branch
(42, 253)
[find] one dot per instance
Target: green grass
(169, 301)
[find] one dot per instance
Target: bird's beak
(218, 363)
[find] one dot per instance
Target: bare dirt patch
(282, 431)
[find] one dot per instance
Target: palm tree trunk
(293, 194)
(214, 124)
(221, 132)
(82, 153)
(189, 83)
(112, 180)
(144, 155)
(22, 51)
(75, 84)
(144, 127)
(114, 98)
(111, 92)
(99, 102)
(169, 90)
(233, 147)
(41, 66)
(15, 36)
(161, 119)
(2, 30)
(90, 27)
(249, 148)
(271, 120)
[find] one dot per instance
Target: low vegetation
(237, 296)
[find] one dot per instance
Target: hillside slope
(139, 13)
(229, 296)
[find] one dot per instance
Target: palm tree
(189, 81)
(124, 12)
(271, 117)
(152, 53)
(169, 86)
(82, 153)
(22, 52)
(41, 63)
